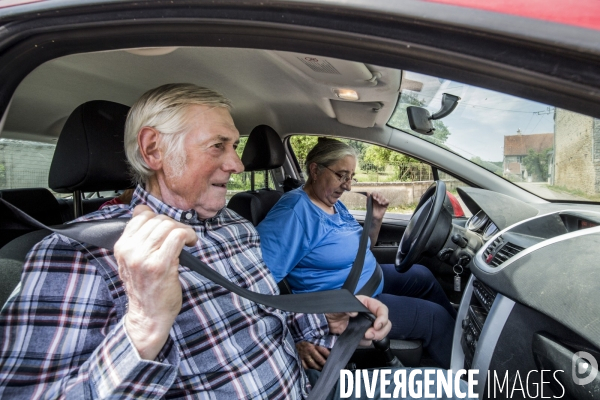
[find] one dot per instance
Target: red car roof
(582, 13)
(10, 3)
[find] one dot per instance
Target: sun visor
(360, 115)
(331, 71)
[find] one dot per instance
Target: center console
(472, 325)
(481, 318)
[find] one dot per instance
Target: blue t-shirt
(315, 250)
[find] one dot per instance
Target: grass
(403, 209)
(368, 176)
(575, 192)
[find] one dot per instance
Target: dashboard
(482, 224)
(532, 303)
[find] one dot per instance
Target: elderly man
(88, 323)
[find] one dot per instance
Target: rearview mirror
(420, 119)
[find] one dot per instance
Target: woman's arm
(380, 205)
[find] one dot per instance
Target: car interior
(527, 297)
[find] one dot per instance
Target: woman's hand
(312, 356)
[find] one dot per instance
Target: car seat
(89, 157)
(264, 151)
(40, 203)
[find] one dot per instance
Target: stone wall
(398, 193)
(576, 156)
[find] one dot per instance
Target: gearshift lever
(384, 346)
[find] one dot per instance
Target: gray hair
(328, 151)
(164, 109)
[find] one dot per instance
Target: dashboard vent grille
(491, 249)
(505, 252)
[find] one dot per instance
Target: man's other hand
(380, 328)
(148, 258)
(312, 356)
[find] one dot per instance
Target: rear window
(24, 164)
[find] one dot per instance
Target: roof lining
(29, 53)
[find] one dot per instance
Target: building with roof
(516, 148)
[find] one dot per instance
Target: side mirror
(420, 119)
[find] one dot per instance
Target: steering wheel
(421, 226)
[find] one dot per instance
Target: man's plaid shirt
(62, 332)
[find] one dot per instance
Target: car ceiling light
(346, 94)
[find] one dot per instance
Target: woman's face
(327, 186)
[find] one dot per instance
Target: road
(541, 189)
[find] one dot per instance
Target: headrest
(263, 150)
(89, 155)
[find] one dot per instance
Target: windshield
(551, 152)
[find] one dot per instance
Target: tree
(302, 145)
(536, 164)
(380, 157)
(494, 166)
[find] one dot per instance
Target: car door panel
(392, 229)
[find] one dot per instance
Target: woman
(311, 238)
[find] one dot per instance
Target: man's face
(200, 182)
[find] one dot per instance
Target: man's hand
(312, 356)
(380, 205)
(148, 257)
(381, 327)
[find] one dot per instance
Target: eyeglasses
(343, 178)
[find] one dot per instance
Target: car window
(24, 164)
(402, 179)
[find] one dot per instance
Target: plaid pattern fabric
(61, 332)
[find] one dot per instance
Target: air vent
(505, 252)
(488, 254)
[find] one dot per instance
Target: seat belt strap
(357, 267)
(105, 234)
(373, 283)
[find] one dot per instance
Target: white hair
(326, 152)
(164, 109)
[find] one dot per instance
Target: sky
(483, 117)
